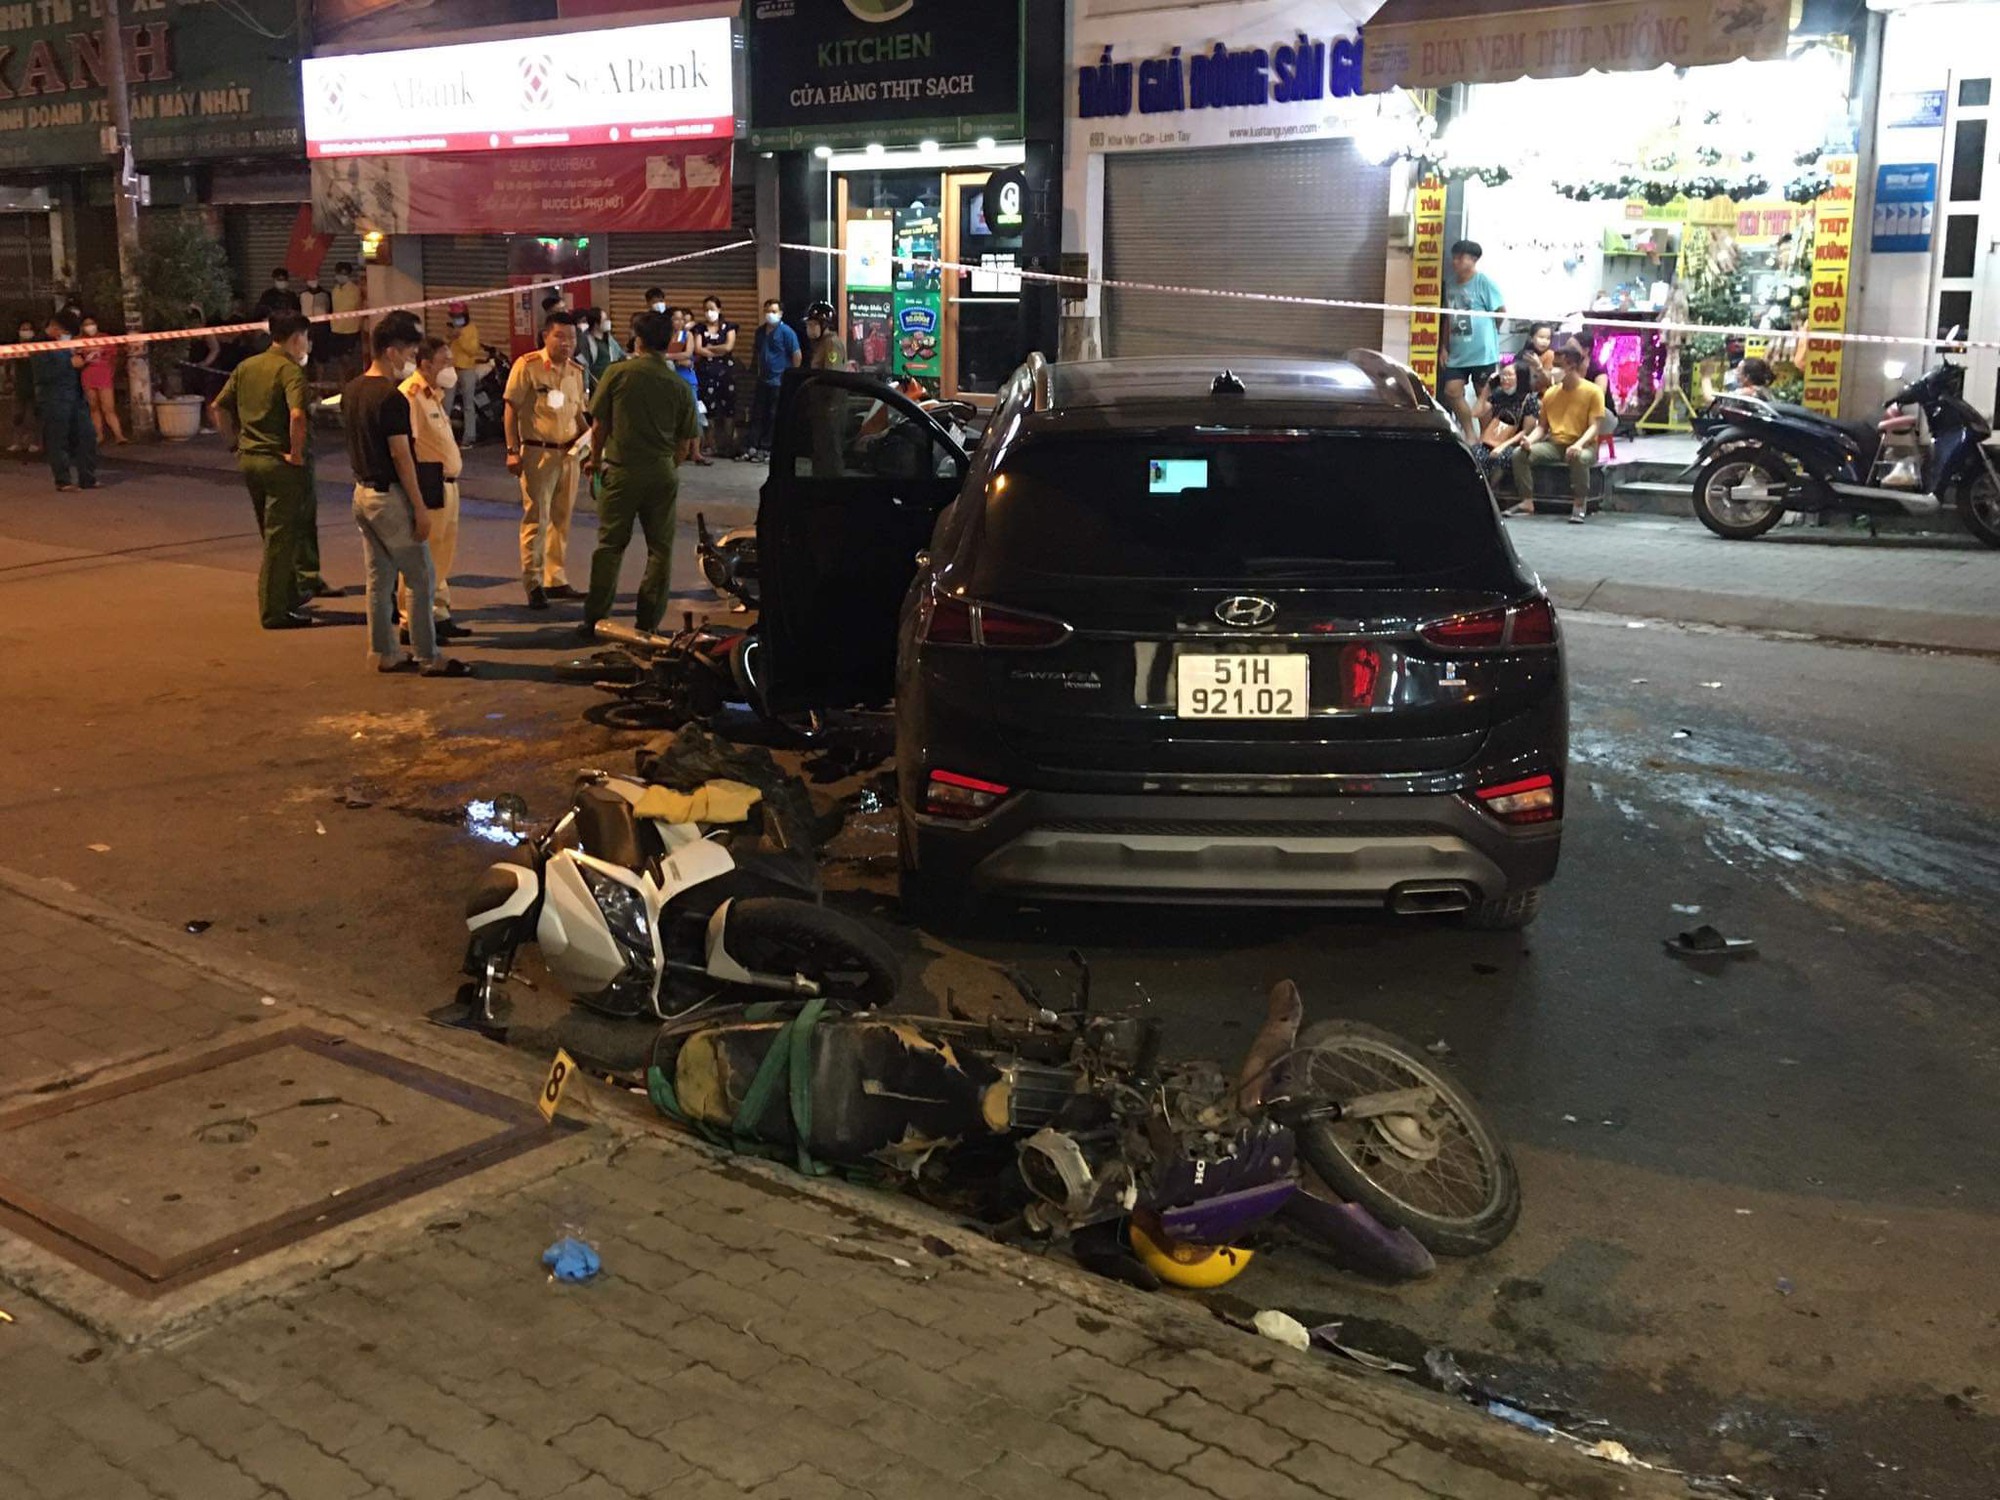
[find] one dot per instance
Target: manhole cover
(160, 1179)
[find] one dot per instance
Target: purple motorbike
(1068, 1125)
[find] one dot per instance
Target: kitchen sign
(634, 85)
(858, 72)
(206, 82)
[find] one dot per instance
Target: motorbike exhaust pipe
(626, 635)
(1422, 898)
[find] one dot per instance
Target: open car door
(858, 476)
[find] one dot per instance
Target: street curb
(1447, 1427)
(1849, 624)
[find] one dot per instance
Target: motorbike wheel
(1979, 506)
(746, 656)
(1740, 519)
(638, 714)
(853, 968)
(1443, 1173)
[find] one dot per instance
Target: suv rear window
(1241, 505)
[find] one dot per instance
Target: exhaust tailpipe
(1418, 898)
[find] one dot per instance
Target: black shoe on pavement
(294, 621)
(587, 631)
(321, 589)
(447, 631)
(563, 591)
(538, 598)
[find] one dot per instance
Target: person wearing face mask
(715, 370)
(544, 417)
(27, 437)
(680, 354)
(263, 413)
(66, 430)
(279, 295)
(343, 339)
(100, 370)
(777, 350)
(469, 358)
(598, 350)
(438, 466)
(656, 298)
(394, 522)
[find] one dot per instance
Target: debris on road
(1441, 1369)
(197, 926)
(1784, 1286)
(1283, 1328)
(1687, 911)
(1439, 1048)
(1613, 1452)
(571, 1259)
(98, 848)
(1707, 941)
(1521, 1419)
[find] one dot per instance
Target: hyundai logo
(1246, 610)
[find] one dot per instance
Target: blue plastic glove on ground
(570, 1259)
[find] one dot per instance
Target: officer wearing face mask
(439, 465)
(263, 413)
(66, 431)
(278, 296)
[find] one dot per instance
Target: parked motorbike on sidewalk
(637, 915)
(1068, 1125)
(1760, 458)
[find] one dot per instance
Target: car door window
(853, 434)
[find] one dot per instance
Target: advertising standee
(1427, 280)
(1833, 249)
(1905, 207)
(918, 301)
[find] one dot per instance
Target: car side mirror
(923, 560)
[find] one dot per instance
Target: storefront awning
(1423, 44)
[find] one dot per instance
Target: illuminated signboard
(641, 84)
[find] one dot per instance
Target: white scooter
(637, 917)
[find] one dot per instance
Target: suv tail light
(961, 622)
(1532, 623)
(1531, 800)
(950, 795)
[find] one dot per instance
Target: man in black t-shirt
(388, 502)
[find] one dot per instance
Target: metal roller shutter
(732, 275)
(258, 238)
(1300, 218)
(27, 258)
(457, 265)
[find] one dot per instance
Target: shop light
(986, 143)
(822, 152)
(927, 146)
(876, 148)
(926, 158)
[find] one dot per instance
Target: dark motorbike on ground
(640, 914)
(729, 562)
(1761, 458)
(664, 681)
(1069, 1125)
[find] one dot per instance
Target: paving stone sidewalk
(751, 1334)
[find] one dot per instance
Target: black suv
(1251, 635)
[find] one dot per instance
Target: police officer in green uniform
(644, 419)
(264, 411)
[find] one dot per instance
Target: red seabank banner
(591, 190)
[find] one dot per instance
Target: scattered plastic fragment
(1683, 734)
(1377, 1362)
(197, 926)
(1283, 1328)
(5, 1316)
(1612, 1452)
(1635, 624)
(1327, 1336)
(1706, 941)
(1638, 681)
(98, 848)
(1520, 1418)
(1439, 1048)
(319, 828)
(267, 1000)
(1441, 1369)
(1711, 684)
(1687, 911)
(1784, 1286)
(570, 1259)
(1569, 1119)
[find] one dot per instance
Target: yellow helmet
(1178, 1264)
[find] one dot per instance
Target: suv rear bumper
(1411, 853)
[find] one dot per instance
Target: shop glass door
(982, 304)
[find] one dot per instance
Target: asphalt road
(1762, 1232)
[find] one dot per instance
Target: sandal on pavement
(445, 666)
(406, 664)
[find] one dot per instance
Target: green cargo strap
(789, 1057)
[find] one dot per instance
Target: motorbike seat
(607, 829)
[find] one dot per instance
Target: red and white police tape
(168, 335)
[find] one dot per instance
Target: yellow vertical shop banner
(1427, 279)
(1833, 248)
